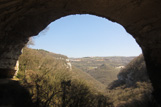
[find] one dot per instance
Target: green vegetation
(51, 83)
(103, 69)
(88, 63)
(132, 88)
(104, 73)
(59, 90)
(41, 60)
(98, 83)
(92, 82)
(133, 73)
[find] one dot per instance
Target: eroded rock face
(21, 19)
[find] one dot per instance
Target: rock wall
(21, 19)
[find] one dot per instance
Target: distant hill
(134, 72)
(35, 59)
(128, 84)
(88, 63)
(132, 87)
(103, 69)
(79, 74)
(41, 61)
(52, 81)
(104, 73)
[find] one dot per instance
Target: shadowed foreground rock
(13, 94)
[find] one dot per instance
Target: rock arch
(21, 19)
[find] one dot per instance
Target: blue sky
(86, 35)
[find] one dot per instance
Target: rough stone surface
(13, 94)
(21, 19)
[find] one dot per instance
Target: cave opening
(77, 34)
(140, 18)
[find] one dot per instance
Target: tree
(30, 42)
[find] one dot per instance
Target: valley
(111, 81)
(103, 69)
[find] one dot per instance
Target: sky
(86, 36)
